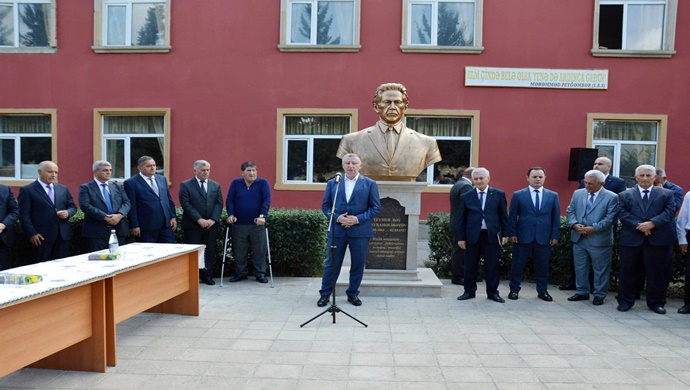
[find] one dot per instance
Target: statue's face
(391, 108)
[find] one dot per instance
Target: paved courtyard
(248, 336)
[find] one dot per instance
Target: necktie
(154, 187)
(590, 204)
(51, 195)
(203, 187)
(481, 199)
(390, 140)
(536, 200)
(106, 197)
(645, 199)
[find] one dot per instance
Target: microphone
(337, 177)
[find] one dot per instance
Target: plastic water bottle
(113, 244)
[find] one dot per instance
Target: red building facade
(278, 83)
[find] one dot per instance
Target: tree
(33, 16)
(323, 25)
(424, 31)
(6, 29)
(149, 33)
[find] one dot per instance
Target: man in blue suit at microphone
(356, 204)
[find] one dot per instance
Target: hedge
(441, 243)
(297, 240)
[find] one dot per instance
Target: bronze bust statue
(389, 150)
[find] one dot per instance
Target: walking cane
(225, 255)
(268, 248)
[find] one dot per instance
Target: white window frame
(100, 138)
(17, 180)
(408, 47)
(52, 40)
(285, 25)
(282, 140)
(669, 31)
(660, 143)
(473, 138)
(101, 27)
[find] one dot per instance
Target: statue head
(391, 102)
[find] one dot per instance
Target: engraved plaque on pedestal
(388, 248)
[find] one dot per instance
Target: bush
(297, 240)
(440, 245)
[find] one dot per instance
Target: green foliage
(297, 240)
(148, 33)
(33, 17)
(440, 245)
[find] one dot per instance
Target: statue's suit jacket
(601, 216)
(38, 215)
(93, 205)
(413, 153)
(528, 224)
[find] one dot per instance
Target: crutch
(225, 255)
(268, 248)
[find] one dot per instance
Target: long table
(69, 320)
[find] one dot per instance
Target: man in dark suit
(683, 234)
(105, 206)
(662, 180)
(591, 213)
(535, 221)
(611, 183)
(457, 260)
(45, 208)
(482, 227)
(202, 203)
(152, 216)
(648, 230)
(9, 213)
(357, 202)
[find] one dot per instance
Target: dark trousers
(541, 255)
(244, 237)
(94, 244)
(636, 261)
(686, 257)
(358, 256)
(4, 256)
(457, 261)
(50, 250)
(207, 237)
(161, 236)
(491, 254)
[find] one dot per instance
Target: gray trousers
(243, 238)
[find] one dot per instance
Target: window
(629, 141)
(319, 25)
(442, 26)
(122, 136)
(634, 28)
(27, 26)
(131, 26)
(27, 137)
(307, 145)
(457, 135)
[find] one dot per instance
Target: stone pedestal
(391, 267)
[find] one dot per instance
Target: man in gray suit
(202, 203)
(591, 214)
(105, 206)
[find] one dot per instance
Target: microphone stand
(333, 309)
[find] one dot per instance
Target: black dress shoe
(237, 278)
(597, 301)
(658, 309)
(623, 307)
(513, 296)
(208, 281)
(459, 282)
(323, 301)
(544, 296)
(566, 287)
(261, 279)
(496, 298)
(465, 296)
(684, 310)
(578, 297)
(354, 300)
